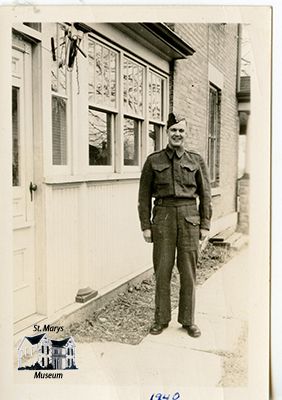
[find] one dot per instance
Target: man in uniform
(175, 178)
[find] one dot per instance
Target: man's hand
(204, 233)
(147, 234)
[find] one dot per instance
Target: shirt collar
(170, 152)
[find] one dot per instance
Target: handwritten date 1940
(161, 396)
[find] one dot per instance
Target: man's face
(176, 134)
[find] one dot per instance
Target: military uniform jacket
(180, 174)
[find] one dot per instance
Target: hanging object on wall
(53, 48)
(74, 38)
(70, 45)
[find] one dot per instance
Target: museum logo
(45, 355)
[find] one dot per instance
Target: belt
(174, 202)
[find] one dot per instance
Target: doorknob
(32, 188)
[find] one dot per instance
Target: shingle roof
(60, 343)
(35, 339)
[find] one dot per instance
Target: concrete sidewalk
(173, 361)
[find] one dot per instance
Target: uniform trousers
(175, 230)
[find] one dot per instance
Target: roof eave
(153, 35)
(170, 38)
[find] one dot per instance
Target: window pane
(130, 142)
(54, 65)
(91, 70)
(100, 133)
(154, 138)
(98, 73)
(16, 136)
(133, 87)
(156, 89)
(130, 88)
(62, 75)
(106, 75)
(125, 84)
(59, 131)
(214, 134)
(58, 70)
(113, 69)
(212, 164)
(140, 90)
(102, 79)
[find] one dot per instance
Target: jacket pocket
(191, 232)
(159, 215)
(188, 165)
(162, 173)
(188, 173)
(193, 220)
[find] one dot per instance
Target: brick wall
(215, 44)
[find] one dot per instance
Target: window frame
(121, 171)
(161, 123)
(104, 168)
(133, 167)
(140, 118)
(78, 168)
(66, 97)
(214, 136)
(112, 111)
(52, 170)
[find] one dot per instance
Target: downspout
(238, 73)
(171, 84)
(239, 38)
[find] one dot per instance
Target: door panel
(23, 207)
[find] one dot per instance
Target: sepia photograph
(139, 221)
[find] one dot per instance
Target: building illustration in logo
(40, 352)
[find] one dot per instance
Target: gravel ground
(128, 317)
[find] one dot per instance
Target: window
(100, 137)
(155, 131)
(133, 105)
(106, 114)
(214, 134)
(124, 96)
(156, 111)
(16, 136)
(133, 78)
(131, 134)
(156, 89)
(59, 89)
(42, 349)
(102, 100)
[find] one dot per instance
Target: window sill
(215, 191)
(97, 177)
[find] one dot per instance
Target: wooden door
(23, 203)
